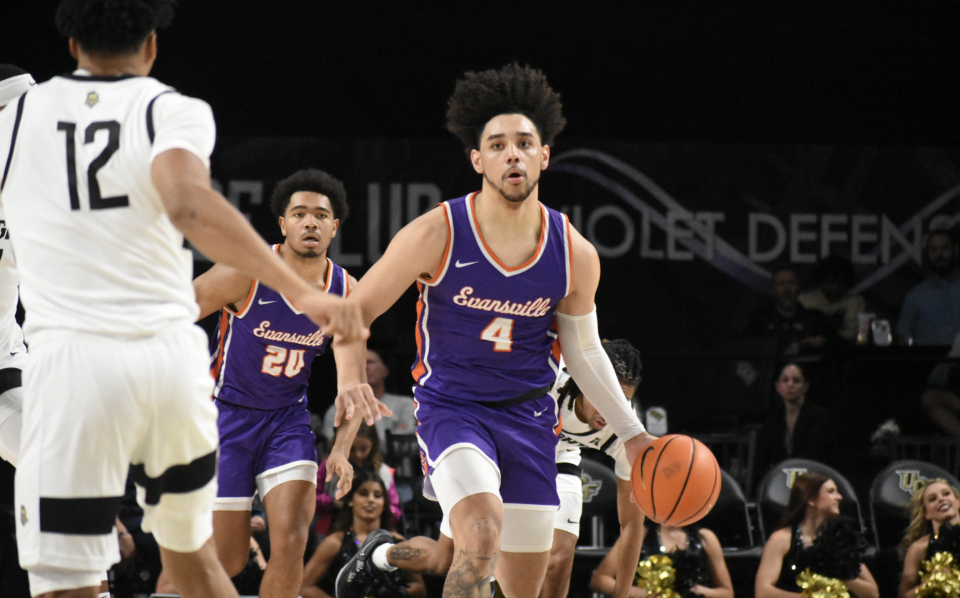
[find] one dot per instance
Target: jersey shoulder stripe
(151, 134)
(13, 139)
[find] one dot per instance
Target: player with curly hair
(502, 278)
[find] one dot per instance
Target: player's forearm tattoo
(404, 553)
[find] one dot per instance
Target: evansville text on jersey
(310, 340)
(531, 309)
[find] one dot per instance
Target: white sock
(380, 558)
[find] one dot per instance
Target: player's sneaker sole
(357, 576)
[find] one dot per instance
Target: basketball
(676, 480)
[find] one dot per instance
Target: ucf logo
(792, 474)
(910, 479)
(590, 487)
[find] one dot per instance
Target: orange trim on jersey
(346, 283)
(420, 368)
(446, 250)
(243, 310)
(569, 256)
(555, 348)
(224, 323)
(536, 254)
(559, 427)
(326, 284)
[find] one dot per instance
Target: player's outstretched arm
(583, 351)
(222, 234)
(631, 539)
(219, 287)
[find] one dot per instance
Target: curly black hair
(10, 70)
(112, 26)
(512, 89)
(316, 181)
(626, 363)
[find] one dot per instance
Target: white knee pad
(305, 471)
(461, 473)
(527, 528)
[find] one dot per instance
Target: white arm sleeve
(183, 122)
(590, 367)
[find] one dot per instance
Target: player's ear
(74, 48)
(150, 47)
(475, 160)
(283, 230)
(545, 157)
(336, 227)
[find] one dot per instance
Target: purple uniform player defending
(501, 279)
(261, 366)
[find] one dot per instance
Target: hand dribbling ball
(676, 480)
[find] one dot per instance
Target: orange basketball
(676, 480)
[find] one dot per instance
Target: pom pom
(820, 586)
(837, 551)
(656, 575)
(939, 577)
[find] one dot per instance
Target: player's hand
(336, 317)
(359, 397)
(634, 447)
(337, 464)
(258, 524)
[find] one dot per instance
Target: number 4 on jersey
(276, 356)
(500, 333)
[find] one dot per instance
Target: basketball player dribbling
(105, 171)
(262, 356)
(501, 279)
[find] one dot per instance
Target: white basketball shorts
(96, 407)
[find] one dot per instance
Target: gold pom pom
(656, 575)
(819, 586)
(939, 577)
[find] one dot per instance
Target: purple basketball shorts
(520, 439)
(254, 441)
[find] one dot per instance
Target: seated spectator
(834, 279)
(932, 507)
(931, 310)
(139, 565)
(812, 536)
(366, 511)
(403, 420)
(695, 554)
(364, 454)
(941, 399)
(796, 328)
(798, 427)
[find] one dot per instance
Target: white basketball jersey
(11, 337)
(96, 250)
(576, 434)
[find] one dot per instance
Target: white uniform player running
(102, 170)
(583, 426)
(14, 82)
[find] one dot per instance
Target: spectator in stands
(796, 328)
(696, 556)
(834, 279)
(931, 310)
(403, 420)
(798, 427)
(933, 505)
(365, 513)
(941, 399)
(811, 514)
(364, 454)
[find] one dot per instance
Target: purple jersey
(486, 332)
(262, 353)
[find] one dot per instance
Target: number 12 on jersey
(276, 356)
(499, 332)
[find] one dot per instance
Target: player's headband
(14, 87)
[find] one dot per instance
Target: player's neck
(311, 269)
(104, 65)
(363, 527)
(505, 221)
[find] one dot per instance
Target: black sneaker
(358, 575)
